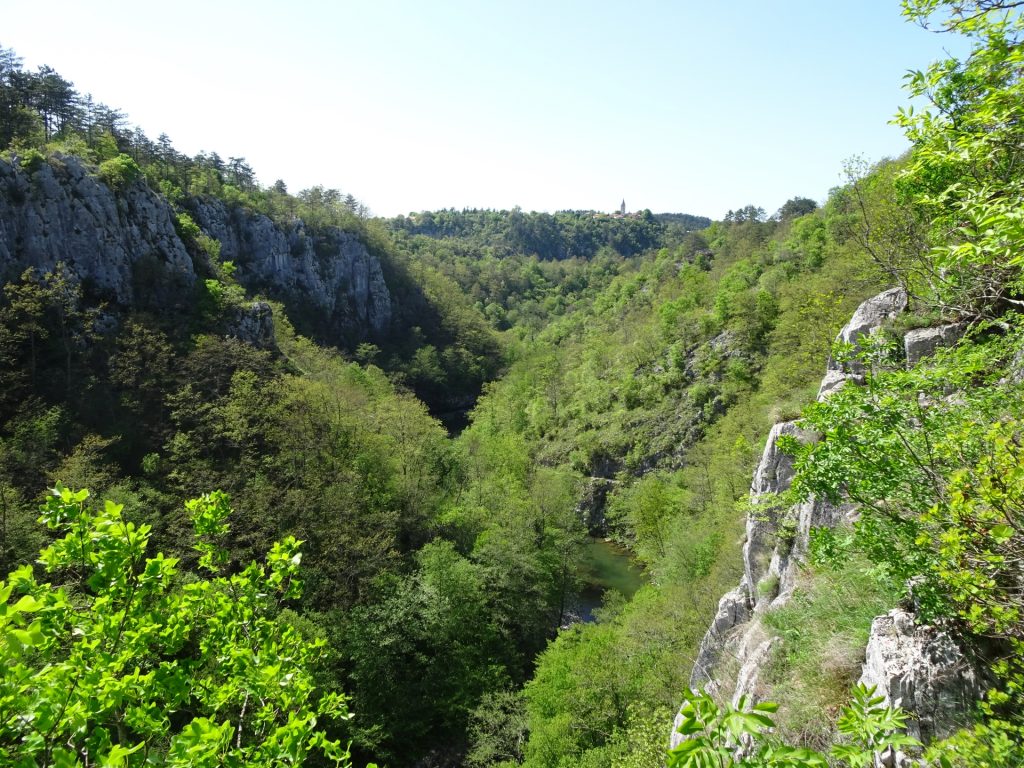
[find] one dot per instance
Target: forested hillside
(140, 362)
(354, 470)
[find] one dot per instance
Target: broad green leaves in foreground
(739, 737)
(127, 664)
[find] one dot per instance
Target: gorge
(495, 488)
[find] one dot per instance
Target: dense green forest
(325, 533)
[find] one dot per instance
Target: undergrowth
(824, 629)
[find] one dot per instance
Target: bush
(872, 732)
(118, 172)
(32, 160)
(186, 227)
(129, 665)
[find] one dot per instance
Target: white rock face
(749, 647)
(333, 273)
(872, 313)
(756, 653)
(832, 382)
(922, 342)
(124, 245)
(919, 668)
(868, 318)
(1017, 369)
(922, 669)
(774, 474)
(735, 608)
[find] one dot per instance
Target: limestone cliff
(123, 247)
(920, 668)
(923, 669)
(331, 274)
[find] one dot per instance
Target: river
(606, 565)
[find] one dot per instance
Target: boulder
(923, 669)
(831, 382)
(922, 342)
(1016, 373)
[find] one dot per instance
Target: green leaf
(1001, 533)
(26, 604)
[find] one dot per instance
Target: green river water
(607, 566)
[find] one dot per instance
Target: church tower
(622, 208)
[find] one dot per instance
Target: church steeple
(622, 208)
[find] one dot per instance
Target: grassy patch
(824, 628)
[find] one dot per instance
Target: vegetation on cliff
(931, 455)
(622, 372)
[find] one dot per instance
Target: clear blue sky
(684, 106)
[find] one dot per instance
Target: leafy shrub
(118, 172)
(32, 160)
(127, 665)
(870, 728)
(186, 227)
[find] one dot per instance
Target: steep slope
(330, 274)
(925, 670)
(122, 242)
(652, 395)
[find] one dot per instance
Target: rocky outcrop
(920, 343)
(734, 608)
(123, 246)
(253, 324)
(917, 667)
(331, 275)
(766, 553)
(870, 316)
(755, 652)
(923, 669)
(747, 650)
(777, 538)
(1016, 374)
(868, 319)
